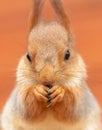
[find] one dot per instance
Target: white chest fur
(50, 123)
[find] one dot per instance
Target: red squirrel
(51, 92)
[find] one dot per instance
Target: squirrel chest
(50, 123)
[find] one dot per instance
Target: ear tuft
(62, 16)
(35, 13)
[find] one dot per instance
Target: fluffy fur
(72, 106)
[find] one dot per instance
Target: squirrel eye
(67, 55)
(28, 57)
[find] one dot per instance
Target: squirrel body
(83, 115)
(51, 92)
(49, 123)
(49, 119)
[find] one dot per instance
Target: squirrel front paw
(41, 92)
(49, 96)
(55, 95)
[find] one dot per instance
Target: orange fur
(32, 107)
(65, 110)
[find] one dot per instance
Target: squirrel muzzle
(46, 75)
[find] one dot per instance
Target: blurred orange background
(86, 23)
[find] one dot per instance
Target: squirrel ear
(35, 13)
(62, 16)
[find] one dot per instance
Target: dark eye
(67, 55)
(28, 57)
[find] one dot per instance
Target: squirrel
(51, 92)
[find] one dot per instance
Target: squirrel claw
(55, 95)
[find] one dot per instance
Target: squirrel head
(51, 56)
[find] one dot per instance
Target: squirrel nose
(46, 75)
